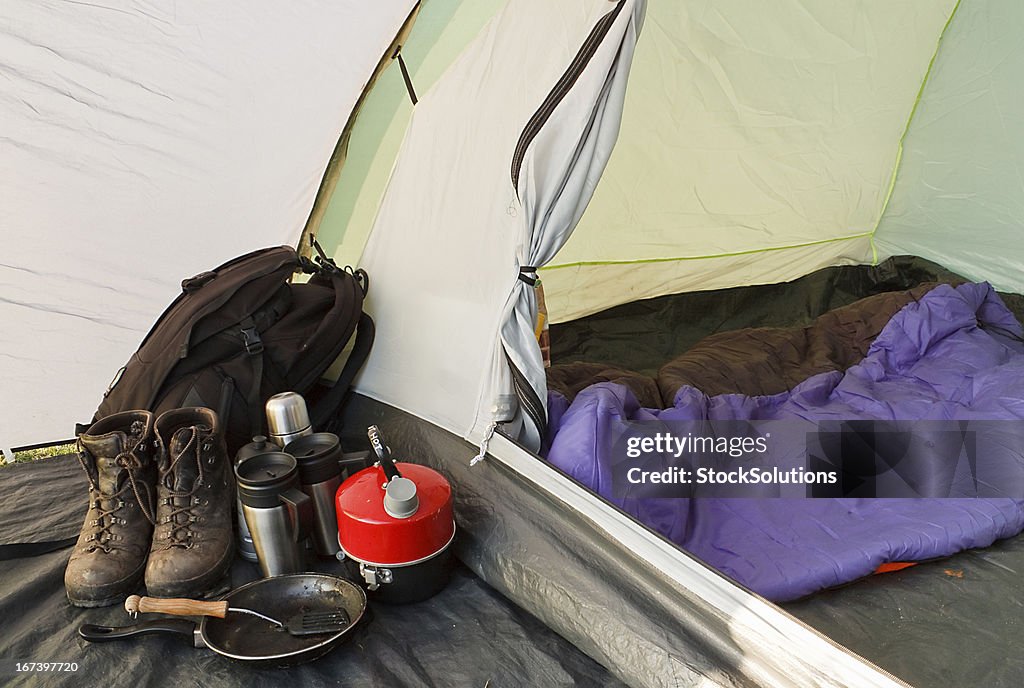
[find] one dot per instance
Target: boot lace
(179, 534)
(106, 519)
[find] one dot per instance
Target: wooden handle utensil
(176, 606)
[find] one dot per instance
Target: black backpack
(243, 332)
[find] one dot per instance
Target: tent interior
(741, 170)
(769, 169)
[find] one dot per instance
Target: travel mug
(318, 457)
(259, 445)
(278, 513)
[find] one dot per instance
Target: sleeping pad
(937, 352)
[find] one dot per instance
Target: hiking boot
(107, 563)
(193, 542)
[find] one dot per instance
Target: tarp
(143, 143)
(468, 635)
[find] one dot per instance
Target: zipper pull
(483, 445)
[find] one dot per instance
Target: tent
(618, 150)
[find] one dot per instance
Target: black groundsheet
(948, 623)
(468, 635)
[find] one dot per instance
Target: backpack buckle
(251, 340)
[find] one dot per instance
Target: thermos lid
(259, 445)
(263, 477)
(287, 414)
(400, 499)
(317, 455)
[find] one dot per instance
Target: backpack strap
(254, 347)
(326, 408)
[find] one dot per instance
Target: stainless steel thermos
(318, 457)
(277, 512)
(287, 418)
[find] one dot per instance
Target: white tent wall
(441, 31)
(757, 145)
(959, 192)
(448, 239)
(143, 143)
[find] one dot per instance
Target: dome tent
(645, 150)
(653, 149)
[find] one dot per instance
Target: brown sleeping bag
(569, 379)
(752, 361)
(769, 360)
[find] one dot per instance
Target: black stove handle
(383, 452)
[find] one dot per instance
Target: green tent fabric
(958, 196)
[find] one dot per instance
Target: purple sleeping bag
(955, 354)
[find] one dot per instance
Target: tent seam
(906, 130)
(639, 261)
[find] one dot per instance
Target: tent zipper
(561, 88)
(528, 397)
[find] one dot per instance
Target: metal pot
(395, 526)
(250, 639)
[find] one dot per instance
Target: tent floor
(949, 622)
(468, 635)
(942, 623)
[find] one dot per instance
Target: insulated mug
(278, 513)
(259, 445)
(318, 457)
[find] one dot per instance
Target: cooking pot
(395, 526)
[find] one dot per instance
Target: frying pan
(251, 639)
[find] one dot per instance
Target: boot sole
(123, 590)
(91, 604)
(220, 586)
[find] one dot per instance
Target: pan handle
(102, 634)
(176, 606)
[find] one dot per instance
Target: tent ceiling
(959, 194)
(744, 131)
(143, 145)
